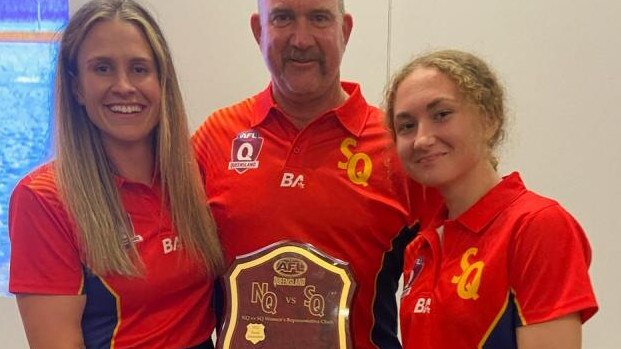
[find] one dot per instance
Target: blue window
(28, 49)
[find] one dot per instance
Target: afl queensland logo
(290, 267)
(245, 151)
(412, 275)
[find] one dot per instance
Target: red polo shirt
(169, 308)
(513, 259)
(335, 184)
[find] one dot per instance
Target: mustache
(303, 55)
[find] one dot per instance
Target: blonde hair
(84, 175)
(473, 77)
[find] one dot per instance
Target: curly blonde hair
(474, 79)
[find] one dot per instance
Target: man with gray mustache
(308, 160)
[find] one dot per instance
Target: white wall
(559, 61)
(11, 332)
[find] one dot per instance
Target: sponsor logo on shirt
(469, 281)
(245, 151)
(170, 245)
(422, 306)
(358, 165)
(131, 237)
(290, 180)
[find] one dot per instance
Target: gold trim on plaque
(343, 314)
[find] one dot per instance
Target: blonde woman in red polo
(500, 266)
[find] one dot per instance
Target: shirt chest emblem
(470, 279)
(411, 275)
(245, 150)
(357, 164)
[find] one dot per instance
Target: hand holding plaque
(287, 295)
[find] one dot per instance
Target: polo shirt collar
(264, 102)
(477, 217)
(352, 114)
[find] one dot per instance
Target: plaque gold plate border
(342, 273)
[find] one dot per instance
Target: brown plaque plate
(287, 295)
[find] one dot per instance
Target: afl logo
(290, 267)
(411, 275)
(245, 151)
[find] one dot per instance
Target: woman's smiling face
(118, 83)
(441, 137)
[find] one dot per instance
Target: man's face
(302, 42)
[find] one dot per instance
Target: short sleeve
(45, 258)
(549, 267)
